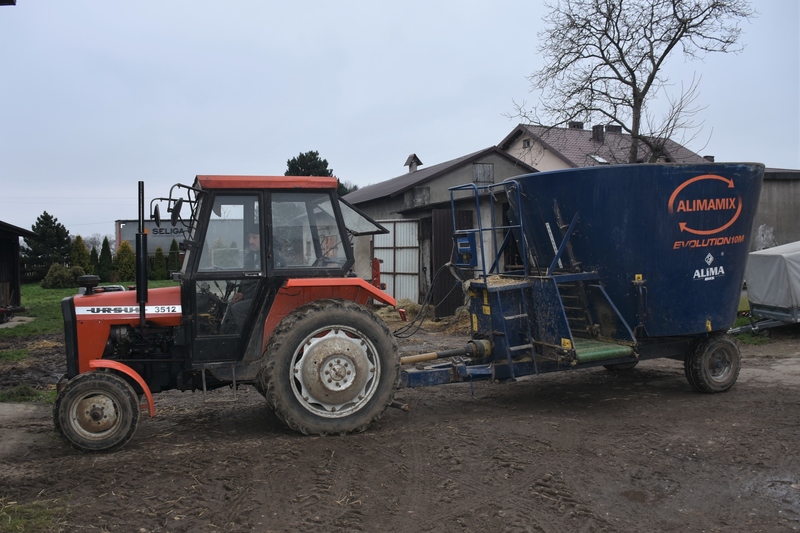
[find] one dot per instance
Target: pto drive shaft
(474, 348)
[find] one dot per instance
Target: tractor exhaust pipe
(474, 348)
(141, 261)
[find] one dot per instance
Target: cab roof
(265, 182)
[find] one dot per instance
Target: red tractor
(267, 297)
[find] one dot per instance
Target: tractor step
(590, 350)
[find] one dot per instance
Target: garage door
(399, 251)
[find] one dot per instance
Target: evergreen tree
(159, 265)
(79, 255)
(345, 187)
(105, 264)
(174, 257)
(94, 261)
(51, 245)
(125, 262)
(308, 164)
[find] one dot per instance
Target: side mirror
(176, 212)
(157, 216)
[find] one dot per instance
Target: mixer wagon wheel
(330, 367)
(97, 412)
(713, 365)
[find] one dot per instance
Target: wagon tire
(330, 367)
(713, 365)
(97, 412)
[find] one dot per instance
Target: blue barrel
(682, 230)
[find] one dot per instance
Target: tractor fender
(131, 373)
(295, 293)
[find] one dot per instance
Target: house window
(483, 173)
(526, 143)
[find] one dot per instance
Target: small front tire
(97, 412)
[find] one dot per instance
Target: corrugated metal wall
(399, 251)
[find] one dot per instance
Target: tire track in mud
(338, 496)
(515, 492)
(332, 493)
(503, 473)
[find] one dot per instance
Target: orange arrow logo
(693, 180)
(682, 225)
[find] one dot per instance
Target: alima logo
(728, 205)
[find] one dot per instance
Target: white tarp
(773, 276)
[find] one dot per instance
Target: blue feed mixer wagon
(606, 266)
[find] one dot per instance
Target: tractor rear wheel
(713, 365)
(97, 412)
(330, 367)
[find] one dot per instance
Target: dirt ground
(582, 451)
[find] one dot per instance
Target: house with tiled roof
(415, 208)
(575, 146)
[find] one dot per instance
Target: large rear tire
(713, 365)
(97, 412)
(330, 367)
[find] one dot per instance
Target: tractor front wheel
(97, 412)
(713, 365)
(331, 367)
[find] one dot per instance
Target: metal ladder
(510, 349)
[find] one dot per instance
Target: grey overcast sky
(97, 95)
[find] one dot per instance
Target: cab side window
(233, 239)
(304, 232)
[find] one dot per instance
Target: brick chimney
(597, 133)
(709, 158)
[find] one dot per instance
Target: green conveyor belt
(589, 350)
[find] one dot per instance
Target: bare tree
(604, 61)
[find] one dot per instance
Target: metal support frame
(205, 390)
(510, 187)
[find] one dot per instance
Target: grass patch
(10, 356)
(45, 306)
(26, 393)
(41, 515)
(751, 339)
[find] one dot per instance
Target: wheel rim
(335, 372)
(720, 364)
(94, 416)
